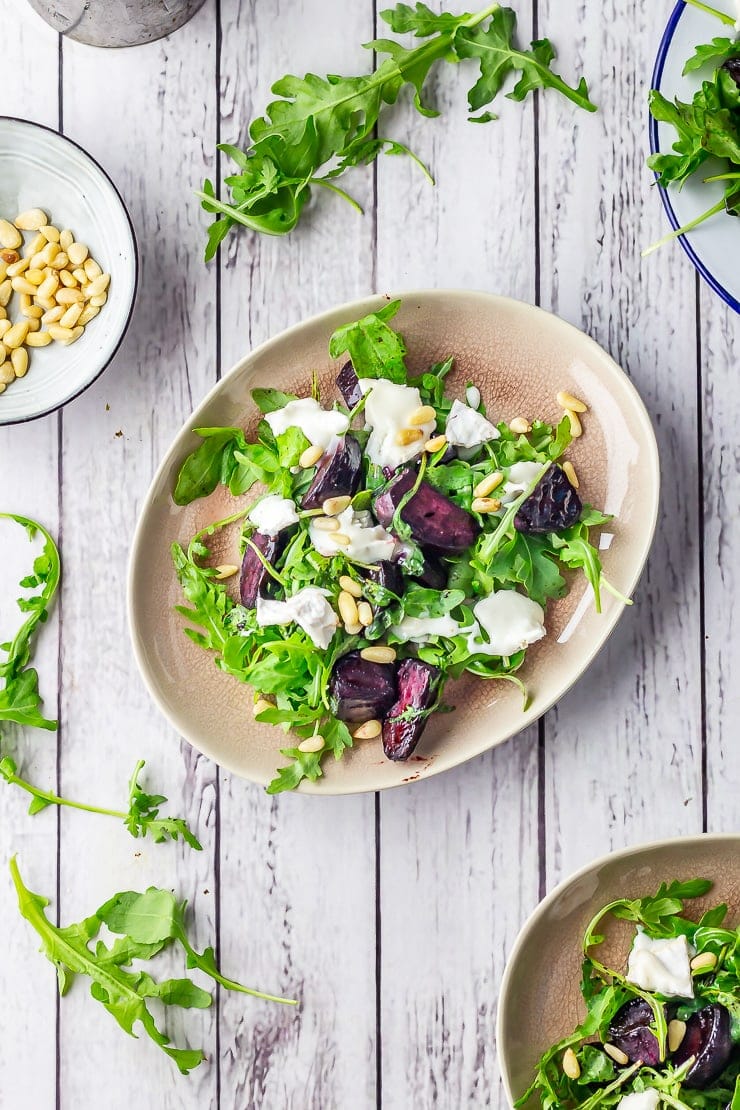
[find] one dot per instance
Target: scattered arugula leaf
(145, 925)
(376, 350)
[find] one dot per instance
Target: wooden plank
(28, 463)
(149, 116)
(459, 853)
(720, 505)
(626, 741)
(297, 874)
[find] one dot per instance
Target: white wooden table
(389, 917)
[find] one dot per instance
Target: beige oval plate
(520, 357)
(540, 1000)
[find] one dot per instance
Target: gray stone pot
(116, 22)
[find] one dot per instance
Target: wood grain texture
(627, 740)
(297, 874)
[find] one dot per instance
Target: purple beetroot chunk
(418, 683)
(552, 506)
(360, 690)
(348, 385)
(434, 520)
(707, 1038)
(732, 65)
(254, 580)
(388, 575)
(630, 1032)
(337, 475)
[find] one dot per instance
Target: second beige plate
(520, 357)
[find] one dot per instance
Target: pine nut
(325, 523)
(707, 961)
(3, 313)
(676, 1033)
(49, 253)
(570, 473)
(350, 586)
(92, 269)
(488, 484)
(9, 257)
(32, 311)
(69, 296)
(571, 1067)
(38, 339)
(353, 629)
(472, 396)
(521, 426)
(46, 303)
(76, 333)
(66, 239)
(71, 316)
(5, 325)
(59, 261)
(88, 314)
(80, 276)
(37, 244)
(7, 373)
(38, 261)
(436, 443)
(53, 314)
(33, 325)
(48, 287)
(22, 286)
(261, 706)
(310, 456)
(58, 333)
(341, 539)
(576, 428)
(34, 275)
(6, 292)
(10, 236)
(367, 731)
(333, 506)
(31, 220)
(16, 335)
(3, 352)
(486, 505)
(77, 253)
(616, 1054)
(423, 415)
(365, 613)
(226, 570)
(19, 359)
(50, 233)
(312, 744)
(98, 285)
(381, 653)
(18, 267)
(69, 281)
(568, 401)
(348, 608)
(3, 270)
(99, 301)
(407, 436)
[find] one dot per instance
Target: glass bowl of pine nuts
(68, 270)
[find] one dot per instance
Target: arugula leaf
(717, 52)
(201, 471)
(319, 127)
(376, 350)
(20, 700)
(270, 400)
(141, 819)
(147, 924)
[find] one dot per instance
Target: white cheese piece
(467, 428)
(272, 514)
(421, 629)
(519, 477)
(640, 1100)
(511, 620)
(368, 541)
(318, 425)
(387, 411)
(662, 965)
(308, 608)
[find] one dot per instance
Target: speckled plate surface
(540, 1000)
(520, 356)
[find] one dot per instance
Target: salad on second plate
(400, 538)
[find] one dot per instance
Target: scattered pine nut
(571, 1067)
(77, 253)
(50, 233)
(350, 586)
(34, 275)
(706, 961)
(353, 629)
(676, 1033)
(3, 352)
(341, 539)
(348, 608)
(568, 401)
(88, 314)
(333, 506)
(58, 333)
(7, 373)
(10, 236)
(38, 339)
(38, 261)
(59, 261)
(98, 285)
(33, 325)
(18, 267)
(226, 570)
(423, 415)
(485, 505)
(80, 276)
(92, 269)
(19, 360)
(521, 426)
(71, 316)
(310, 456)
(261, 706)
(326, 523)
(365, 613)
(20, 285)
(32, 311)
(69, 281)
(16, 335)
(53, 314)
(570, 473)
(98, 301)
(576, 428)
(9, 257)
(69, 296)
(436, 443)
(76, 333)
(66, 239)
(367, 731)
(312, 744)
(381, 653)
(5, 325)
(488, 484)
(616, 1054)
(37, 244)
(407, 436)
(31, 220)
(49, 253)
(6, 291)
(48, 287)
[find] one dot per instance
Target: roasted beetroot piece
(337, 475)
(360, 690)
(552, 506)
(434, 574)
(389, 576)
(732, 65)
(348, 385)
(254, 580)
(406, 719)
(630, 1032)
(434, 520)
(707, 1038)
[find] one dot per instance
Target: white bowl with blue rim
(41, 169)
(714, 246)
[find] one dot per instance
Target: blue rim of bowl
(660, 61)
(134, 291)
